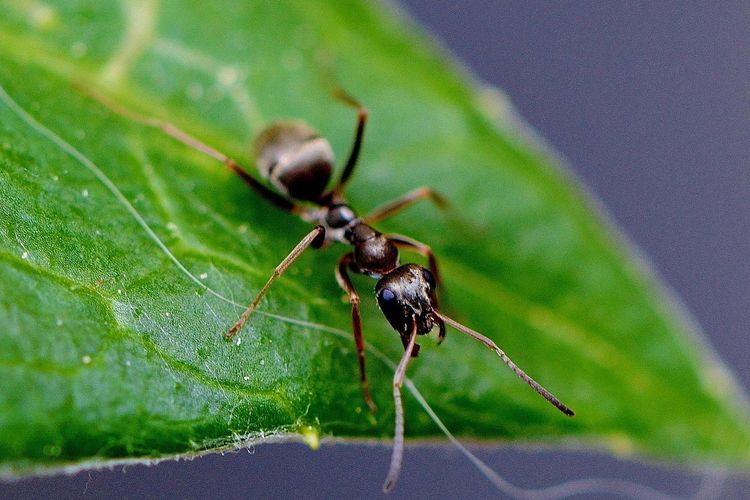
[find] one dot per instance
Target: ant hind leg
(175, 132)
(351, 162)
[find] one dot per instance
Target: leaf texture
(125, 255)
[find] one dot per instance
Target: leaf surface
(125, 255)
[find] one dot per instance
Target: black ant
(298, 162)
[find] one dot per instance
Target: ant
(298, 162)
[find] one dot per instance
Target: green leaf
(112, 341)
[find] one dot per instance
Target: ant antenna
(522, 375)
(398, 379)
(397, 455)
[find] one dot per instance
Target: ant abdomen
(295, 159)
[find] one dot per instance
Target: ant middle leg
(342, 277)
(314, 238)
(175, 132)
(392, 208)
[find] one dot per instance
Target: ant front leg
(407, 243)
(343, 279)
(315, 239)
(392, 208)
(357, 146)
(173, 131)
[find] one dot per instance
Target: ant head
(406, 295)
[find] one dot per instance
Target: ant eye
(387, 295)
(429, 278)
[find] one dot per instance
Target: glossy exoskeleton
(298, 162)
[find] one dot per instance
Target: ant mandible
(298, 162)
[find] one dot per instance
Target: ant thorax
(336, 219)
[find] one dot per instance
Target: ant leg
(419, 247)
(354, 153)
(392, 208)
(411, 244)
(271, 196)
(314, 238)
(343, 279)
(397, 454)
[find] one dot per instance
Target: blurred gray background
(650, 104)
